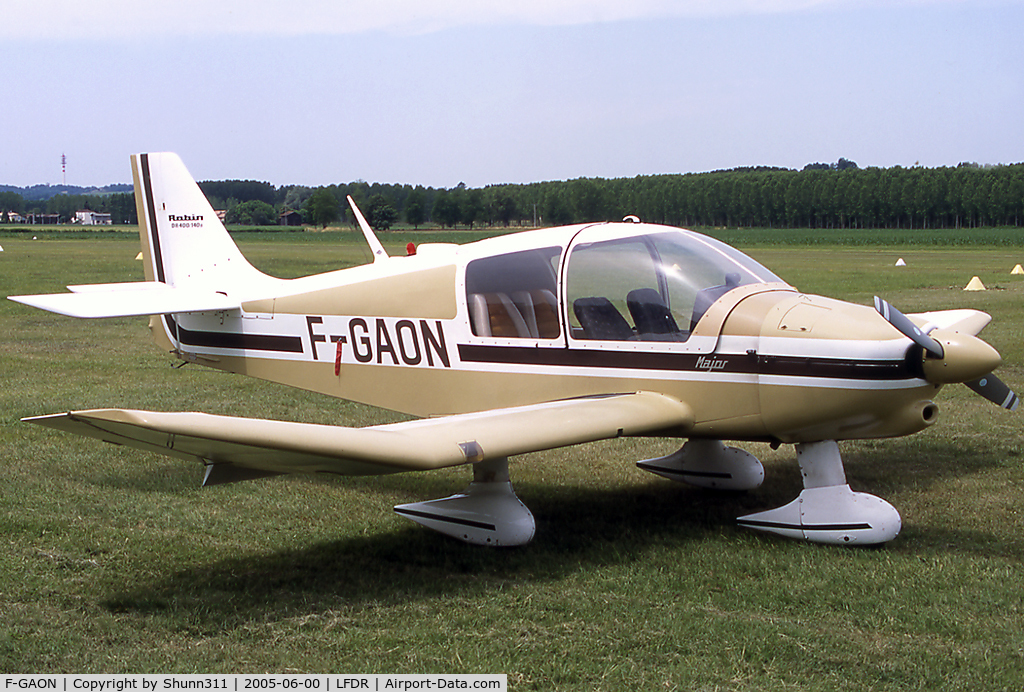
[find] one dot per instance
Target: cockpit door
(653, 288)
(621, 291)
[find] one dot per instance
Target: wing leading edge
(272, 447)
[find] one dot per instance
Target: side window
(513, 295)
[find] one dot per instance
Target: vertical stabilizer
(183, 241)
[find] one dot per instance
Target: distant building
(43, 219)
(15, 217)
(86, 217)
(290, 218)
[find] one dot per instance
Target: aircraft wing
(128, 299)
(269, 447)
(964, 321)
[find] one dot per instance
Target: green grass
(1002, 236)
(114, 560)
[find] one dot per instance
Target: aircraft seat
(601, 320)
(539, 309)
(649, 313)
(494, 314)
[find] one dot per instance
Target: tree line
(839, 195)
(965, 196)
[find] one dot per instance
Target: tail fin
(183, 241)
(192, 265)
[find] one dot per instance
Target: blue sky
(437, 93)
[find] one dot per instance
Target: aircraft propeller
(959, 361)
(995, 390)
(908, 328)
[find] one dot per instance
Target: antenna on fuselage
(379, 253)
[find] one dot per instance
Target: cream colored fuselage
(764, 362)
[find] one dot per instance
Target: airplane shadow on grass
(576, 528)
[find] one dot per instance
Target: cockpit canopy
(617, 284)
(650, 287)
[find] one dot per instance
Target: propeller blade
(995, 390)
(907, 328)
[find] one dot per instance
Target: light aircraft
(528, 342)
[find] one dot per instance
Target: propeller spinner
(954, 357)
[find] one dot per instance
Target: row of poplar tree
(819, 196)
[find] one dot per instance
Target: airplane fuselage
(760, 362)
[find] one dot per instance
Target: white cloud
(104, 19)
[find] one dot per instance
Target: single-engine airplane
(527, 342)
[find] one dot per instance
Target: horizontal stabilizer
(128, 299)
(286, 447)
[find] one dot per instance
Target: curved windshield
(652, 287)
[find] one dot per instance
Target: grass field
(116, 561)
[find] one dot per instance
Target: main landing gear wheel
(485, 513)
(709, 464)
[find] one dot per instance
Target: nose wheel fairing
(828, 510)
(835, 514)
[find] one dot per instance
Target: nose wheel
(827, 510)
